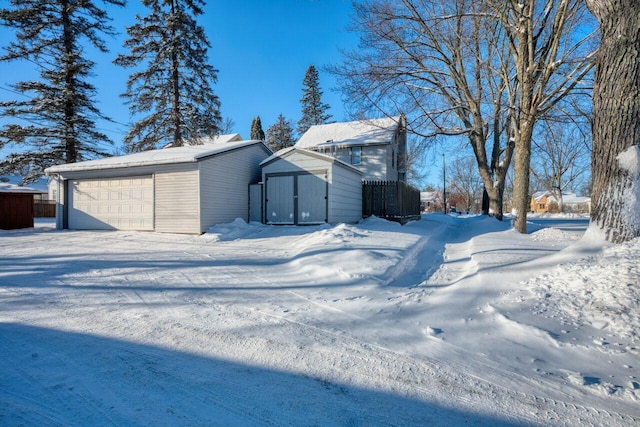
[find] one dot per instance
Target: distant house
(545, 202)
(40, 187)
(16, 205)
(377, 147)
(430, 201)
(43, 206)
(174, 190)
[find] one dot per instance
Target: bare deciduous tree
(560, 158)
(466, 181)
(551, 55)
(483, 70)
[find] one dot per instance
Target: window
(356, 155)
(393, 159)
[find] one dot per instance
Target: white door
(312, 198)
(113, 203)
(279, 200)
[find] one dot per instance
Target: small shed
(16, 206)
(307, 187)
(173, 190)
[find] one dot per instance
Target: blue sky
(261, 49)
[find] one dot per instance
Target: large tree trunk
(524, 118)
(521, 174)
(616, 124)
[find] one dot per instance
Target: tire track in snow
(354, 348)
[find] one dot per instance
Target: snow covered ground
(446, 321)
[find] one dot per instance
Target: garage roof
(186, 154)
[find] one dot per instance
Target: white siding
(224, 184)
(295, 162)
(376, 162)
(176, 196)
(345, 196)
(56, 192)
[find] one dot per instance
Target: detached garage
(173, 190)
(306, 187)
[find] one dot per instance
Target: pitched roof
(286, 152)
(186, 154)
(360, 132)
(6, 187)
(40, 186)
(218, 139)
(568, 197)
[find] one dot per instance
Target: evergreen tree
(173, 91)
(280, 134)
(256, 129)
(314, 111)
(54, 120)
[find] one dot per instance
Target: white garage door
(113, 203)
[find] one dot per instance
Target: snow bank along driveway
(445, 321)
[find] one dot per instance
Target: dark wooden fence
(16, 210)
(44, 208)
(392, 200)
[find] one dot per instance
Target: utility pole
(444, 184)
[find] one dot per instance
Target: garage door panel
(113, 203)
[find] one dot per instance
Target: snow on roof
(186, 154)
(568, 197)
(218, 139)
(426, 196)
(5, 187)
(230, 137)
(360, 132)
(289, 150)
(13, 181)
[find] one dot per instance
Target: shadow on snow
(55, 377)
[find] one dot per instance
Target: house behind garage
(174, 190)
(377, 147)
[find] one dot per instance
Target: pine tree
(314, 111)
(173, 92)
(56, 123)
(280, 134)
(256, 129)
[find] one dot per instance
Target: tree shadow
(50, 377)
